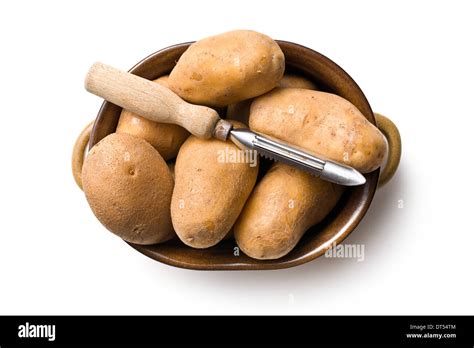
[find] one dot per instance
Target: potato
(164, 137)
(241, 111)
(297, 81)
(210, 191)
(283, 205)
(323, 123)
(227, 68)
(129, 186)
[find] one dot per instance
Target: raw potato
(241, 111)
(320, 122)
(283, 205)
(297, 81)
(210, 192)
(227, 68)
(129, 186)
(166, 138)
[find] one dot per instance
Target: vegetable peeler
(160, 104)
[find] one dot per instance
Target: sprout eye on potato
(202, 199)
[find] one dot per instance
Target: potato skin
(283, 205)
(297, 81)
(165, 138)
(322, 123)
(129, 186)
(241, 111)
(224, 69)
(208, 196)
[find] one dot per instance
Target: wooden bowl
(335, 228)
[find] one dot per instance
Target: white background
(413, 60)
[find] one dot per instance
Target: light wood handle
(149, 99)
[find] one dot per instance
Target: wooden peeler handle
(150, 100)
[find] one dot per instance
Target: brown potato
(227, 68)
(164, 137)
(283, 205)
(241, 111)
(128, 186)
(322, 123)
(297, 81)
(210, 190)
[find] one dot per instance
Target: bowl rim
(354, 220)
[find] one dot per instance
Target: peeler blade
(280, 151)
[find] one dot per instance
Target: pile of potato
(143, 199)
